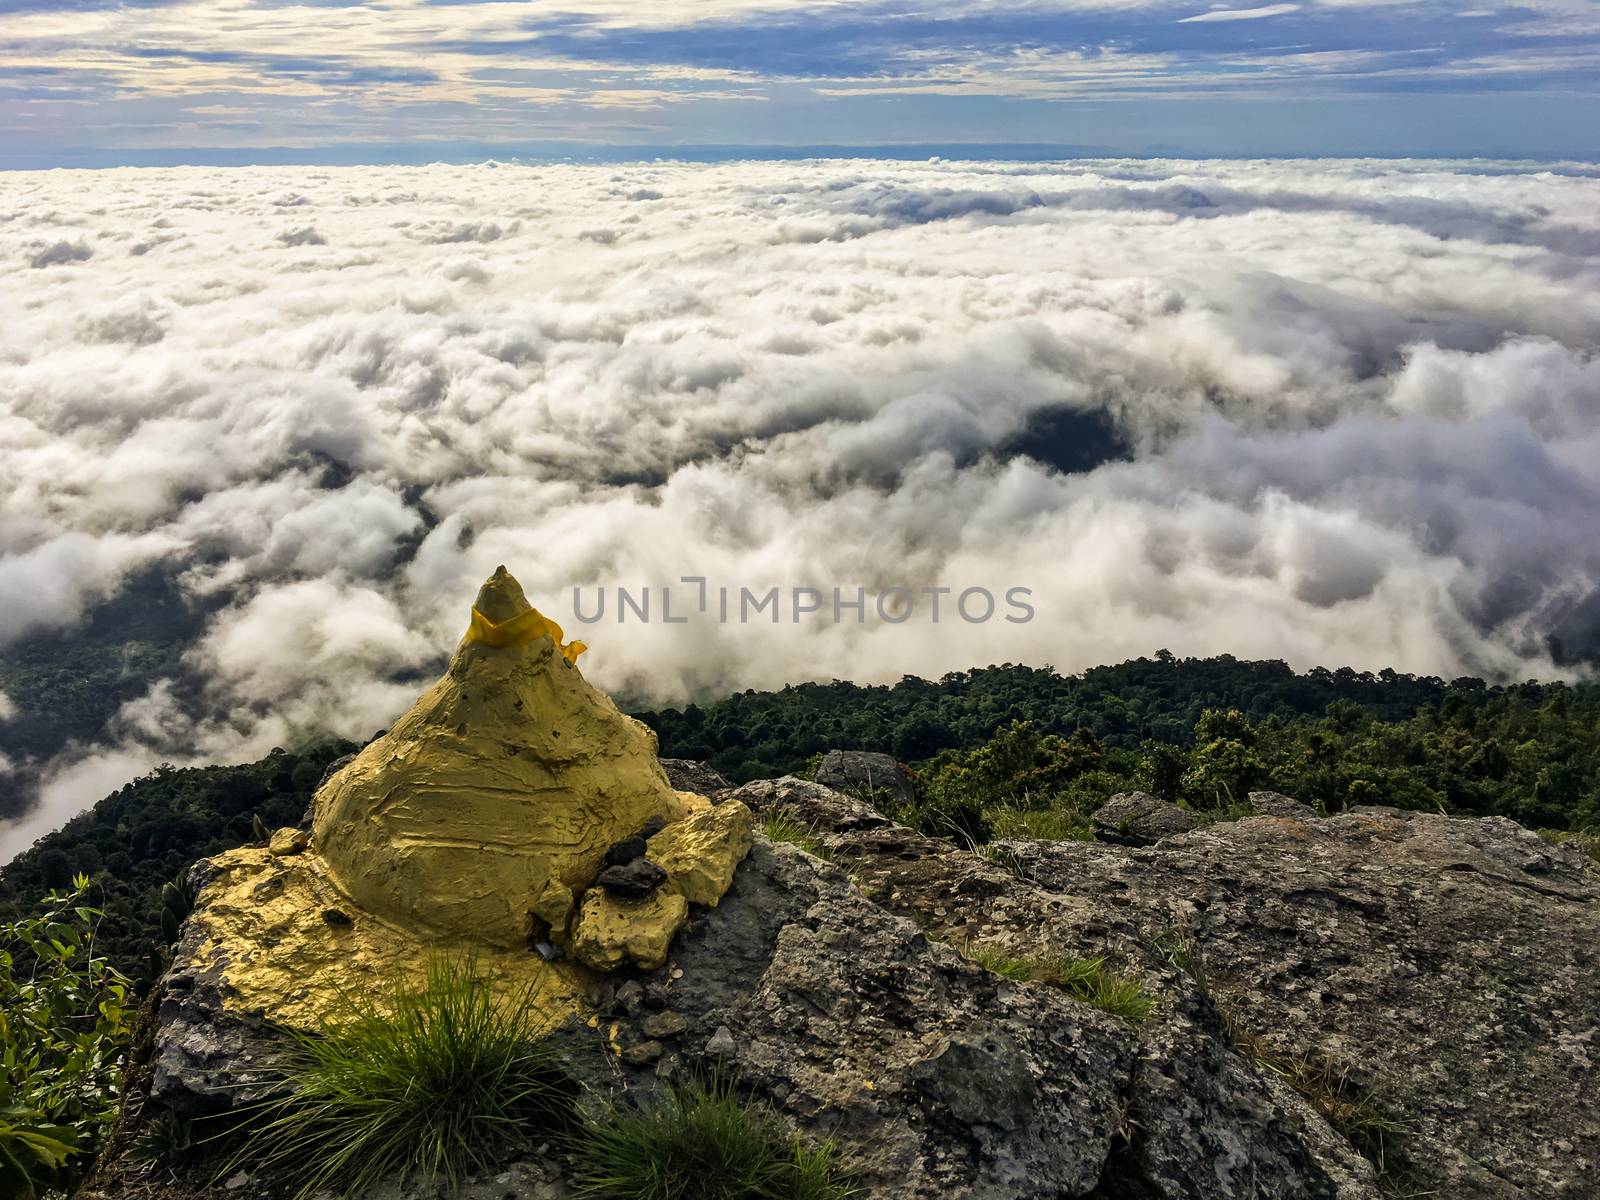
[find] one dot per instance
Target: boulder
(865, 773)
(813, 804)
(1201, 1120)
(512, 749)
(701, 853)
(611, 931)
(1139, 819)
(1276, 804)
(468, 829)
(688, 776)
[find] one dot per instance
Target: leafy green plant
(781, 825)
(433, 1082)
(165, 1138)
(63, 1028)
(702, 1142)
(1087, 979)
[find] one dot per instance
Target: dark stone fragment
(625, 851)
(634, 881)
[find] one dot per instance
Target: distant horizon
(536, 154)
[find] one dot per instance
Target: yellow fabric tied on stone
(522, 628)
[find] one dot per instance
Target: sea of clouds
(1354, 413)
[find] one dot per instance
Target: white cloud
(1242, 14)
(1359, 401)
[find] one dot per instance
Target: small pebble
(642, 1054)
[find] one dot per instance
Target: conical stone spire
(507, 781)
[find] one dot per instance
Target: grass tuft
(702, 1142)
(436, 1084)
(781, 825)
(1585, 840)
(1040, 824)
(1087, 979)
(1328, 1088)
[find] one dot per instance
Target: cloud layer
(1339, 413)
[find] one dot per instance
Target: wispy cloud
(236, 72)
(1241, 14)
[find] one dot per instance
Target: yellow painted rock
(701, 852)
(611, 931)
(689, 803)
(288, 841)
(554, 905)
(286, 942)
(510, 774)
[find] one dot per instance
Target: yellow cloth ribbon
(522, 628)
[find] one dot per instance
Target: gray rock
(629, 997)
(687, 775)
(722, 1044)
(643, 1054)
(1139, 819)
(667, 1024)
(207, 1057)
(1444, 968)
(864, 773)
(634, 881)
(850, 1023)
(1205, 1123)
(1276, 804)
(822, 808)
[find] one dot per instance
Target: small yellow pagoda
(479, 824)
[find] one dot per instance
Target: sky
(107, 82)
(1342, 413)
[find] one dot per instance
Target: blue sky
(99, 82)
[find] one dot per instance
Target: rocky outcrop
(1371, 1004)
(1139, 819)
(1422, 987)
(934, 1077)
(866, 774)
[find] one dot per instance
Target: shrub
(702, 1142)
(64, 1028)
(434, 1083)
